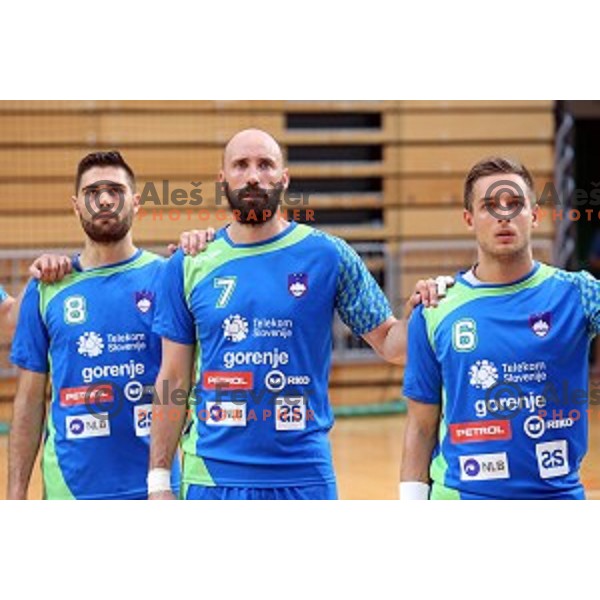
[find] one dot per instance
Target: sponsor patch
(87, 426)
(482, 467)
(143, 419)
(87, 394)
(485, 431)
(290, 413)
(226, 414)
(226, 380)
(552, 458)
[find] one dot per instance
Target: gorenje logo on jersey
(129, 369)
(235, 328)
(510, 404)
(272, 358)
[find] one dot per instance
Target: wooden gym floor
(367, 453)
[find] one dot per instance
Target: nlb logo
(228, 380)
(483, 467)
(226, 414)
(87, 426)
(464, 433)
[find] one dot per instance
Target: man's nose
(252, 177)
(106, 199)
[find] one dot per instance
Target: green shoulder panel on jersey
(460, 294)
(197, 268)
(48, 291)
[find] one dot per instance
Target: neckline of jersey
(132, 258)
(270, 240)
(483, 286)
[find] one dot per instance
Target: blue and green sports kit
(93, 333)
(508, 364)
(260, 317)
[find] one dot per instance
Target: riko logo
(225, 380)
(235, 328)
(535, 427)
(488, 431)
(90, 344)
(483, 374)
(483, 467)
(275, 381)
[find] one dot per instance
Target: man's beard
(259, 208)
(107, 233)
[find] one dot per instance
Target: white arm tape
(442, 282)
(414, 490)
(159, 480)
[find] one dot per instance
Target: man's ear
(535, 216)
(468, 219)
(75, 206)
(285, 179)
(136, 203)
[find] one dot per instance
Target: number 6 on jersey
(464, 335)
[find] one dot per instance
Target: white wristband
(159, 480)
(414, 490)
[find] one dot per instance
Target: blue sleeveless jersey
(509, 366)
(260, 316)
(93, 333)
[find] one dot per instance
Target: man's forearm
(416, 457)
(23, 445)
(394, 346)
(168, 418)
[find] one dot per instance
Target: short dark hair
(493, 165)
(112, 158)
